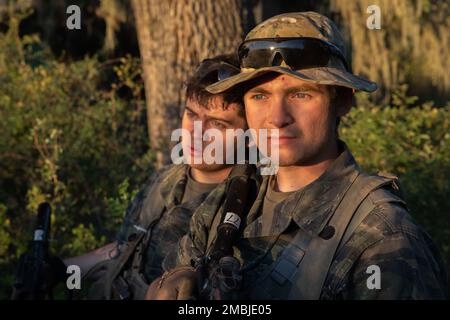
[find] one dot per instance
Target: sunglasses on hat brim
(297, 53)
(222, 70)
(226, 70)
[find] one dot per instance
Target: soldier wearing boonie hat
(321, 228)
(311, 48)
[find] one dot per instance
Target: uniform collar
(174, 181)
(312, 206)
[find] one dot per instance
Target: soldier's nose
(279, 116)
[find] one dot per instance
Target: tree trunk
(174, 36)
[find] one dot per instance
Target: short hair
(206, 74)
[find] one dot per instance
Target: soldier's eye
(258, 96)
(218, 124)
(301, 95)
(190, 114)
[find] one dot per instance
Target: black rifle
(218, 273)
(29, 284)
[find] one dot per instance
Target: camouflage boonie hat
(300, 25)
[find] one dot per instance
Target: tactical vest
(122, 276)
(301, 270)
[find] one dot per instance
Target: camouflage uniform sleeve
(409, 263)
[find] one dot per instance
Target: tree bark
(174, 36)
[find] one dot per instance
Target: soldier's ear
(344, 100)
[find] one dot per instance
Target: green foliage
(118, 204)
(69, 137)
(5, 236)
(84, 239)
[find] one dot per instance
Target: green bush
(69, 138)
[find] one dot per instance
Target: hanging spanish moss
(412, 46)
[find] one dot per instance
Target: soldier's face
(300, 110)
(214, 117)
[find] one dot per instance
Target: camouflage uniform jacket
(388, 237)
(168, 225)
(154, 222)
(159, 216)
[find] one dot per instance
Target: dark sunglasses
(226, 70)
(223, 70)
(298, 53)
